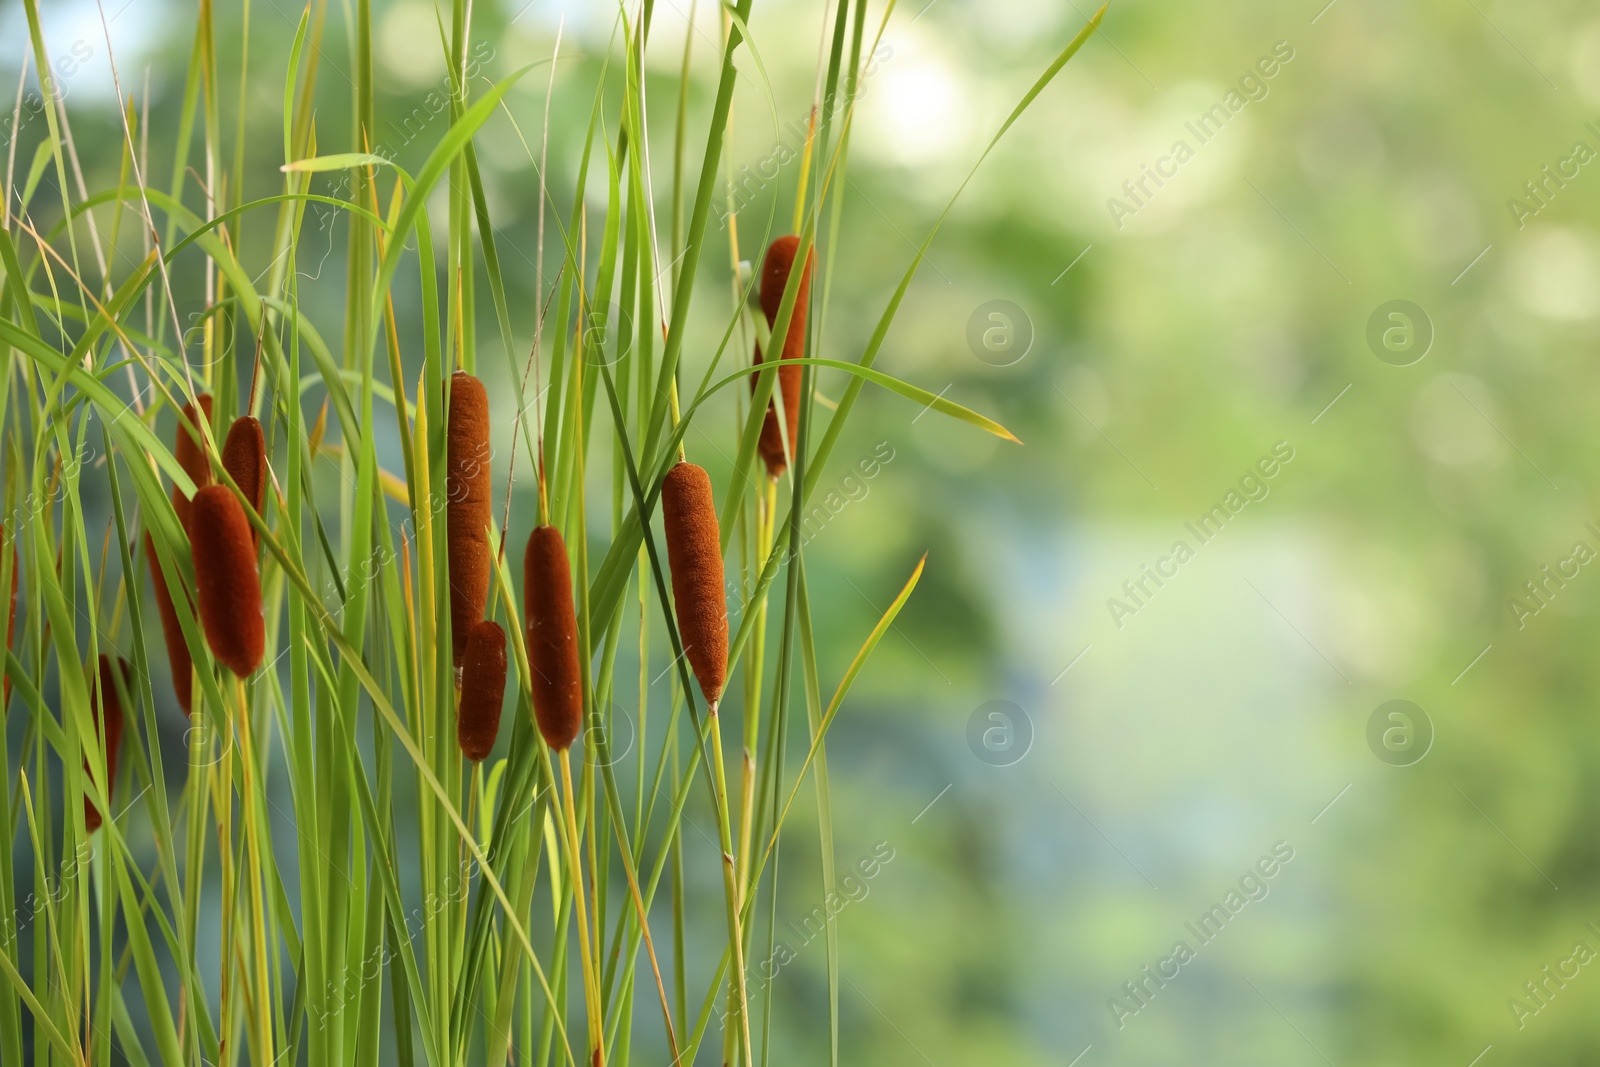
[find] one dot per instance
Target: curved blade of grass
(845, 683)
(335, 161)
(931, 401)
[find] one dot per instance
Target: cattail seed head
(469, 505)
(244, 457)
(483, 689)
(190, 452)
(694, 551)
(108, 720)
(775, 270)
(227, 580)
(552, 638)
(171, 630)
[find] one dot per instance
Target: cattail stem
(197, 785)
(591, 985)
(219, 776)
(262, 1031)
(672, 398)
(738, 1000)
(766, 521)
(805, 168)
(472, 805)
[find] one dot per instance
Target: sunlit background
(1179, 272)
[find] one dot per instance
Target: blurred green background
(1151, 346)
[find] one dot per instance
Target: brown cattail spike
(774, 277)
(190, 453)
(469, 505)
(171, 630)
(694, 550)
(483, 690)
(228, 583)
(244, 457)
(108, 719)
(552, 638)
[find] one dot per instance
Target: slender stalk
(766, 509)
(591, 986)
(740, 1023)
(258, 912)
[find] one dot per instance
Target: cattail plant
(468, 505)
(483, 690)
(694, 552)
(775, 270)
(244, 457)
(227, 581)
(107, 707)
(557, 683)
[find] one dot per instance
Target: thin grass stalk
(591, 988)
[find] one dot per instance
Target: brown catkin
(171, 630)
(244, 457)
(775, 271)
(470, 502)
(227, 580)
(694, 550)
(552, 638)
(107, 715)
(483, 690)
(190, 452)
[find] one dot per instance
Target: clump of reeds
(227, 580)
(469, 504)
(107, 707)
(694, 552)
(367, 787)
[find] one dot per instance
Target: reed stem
(591, 985)
(739, 1002)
